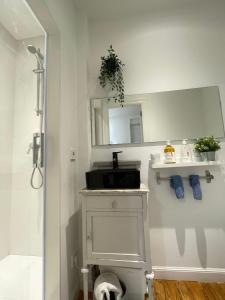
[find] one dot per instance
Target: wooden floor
(184, 290)
(188, 290)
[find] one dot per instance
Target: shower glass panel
(22, 103)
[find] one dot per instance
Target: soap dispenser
(186, 152)
(169, 153)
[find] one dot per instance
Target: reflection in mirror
(113, 124)
(125, 125)
(158, 117)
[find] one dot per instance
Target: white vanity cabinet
(115, 230)
(114, 234)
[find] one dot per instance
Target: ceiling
(18, 20)
(108, 9)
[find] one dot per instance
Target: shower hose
(36, 169)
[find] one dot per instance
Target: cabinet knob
(114, 204)
(89, 237)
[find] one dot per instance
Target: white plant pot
(208, 156)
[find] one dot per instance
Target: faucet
(115, 160)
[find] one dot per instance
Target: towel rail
(208, 177)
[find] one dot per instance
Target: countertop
(143, 189)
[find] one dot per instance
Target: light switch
(72, 155)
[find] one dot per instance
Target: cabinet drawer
(114, 202)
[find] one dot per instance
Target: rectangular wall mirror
(158, 117)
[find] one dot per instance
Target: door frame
(51, 231)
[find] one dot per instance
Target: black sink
(113, 179)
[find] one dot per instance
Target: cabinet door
(115, 235)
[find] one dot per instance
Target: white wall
(8, 47)
(169, 51)
(26, 230)
(213, 123)
(66, 18)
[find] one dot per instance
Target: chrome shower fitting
(39, 72)
(37, 52)
(38, 154)
(37, 146)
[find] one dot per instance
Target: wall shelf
(208, 176)
(185, 165)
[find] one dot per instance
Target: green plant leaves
(111, 73)
(207, 144)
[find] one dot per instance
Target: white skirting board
(188, 273)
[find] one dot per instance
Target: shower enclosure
(22, 128)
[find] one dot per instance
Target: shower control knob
(30, 148)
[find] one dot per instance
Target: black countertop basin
(113, 179)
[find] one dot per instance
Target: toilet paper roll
(106, 283)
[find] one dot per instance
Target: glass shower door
(22, 78)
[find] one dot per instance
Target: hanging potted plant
(111, 74)
(207, 147)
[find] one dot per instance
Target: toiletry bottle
(186, 152)
(169, 152)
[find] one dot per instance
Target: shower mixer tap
(38, 145)
(30, 147)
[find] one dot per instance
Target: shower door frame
(51, 187)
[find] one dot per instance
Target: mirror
(158, 117)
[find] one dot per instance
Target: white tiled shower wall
(7, 78)
(20, 206)
(26, 204)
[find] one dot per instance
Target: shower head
(32, 49)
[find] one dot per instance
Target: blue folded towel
(195, 184)
(176, 183)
